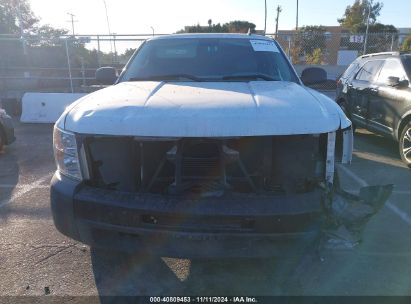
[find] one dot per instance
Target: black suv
(375, 94)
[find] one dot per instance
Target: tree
(46, 35)
(406, 44)
(230, 27)
(240, 27)
(315, 58)
(356, 15)
(14, 11)
(310, 38)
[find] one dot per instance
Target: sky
(169, 16)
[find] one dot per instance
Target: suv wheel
(405, 144)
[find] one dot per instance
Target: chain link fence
(68, 64)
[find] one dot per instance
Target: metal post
(69, 66)
(108, 25)
(23, 40)
(115, 47)
(98, 51)
(72, 22)
(265, 20)
(368, 26)
(279, 10)
(392, 42)
(296, 18)
(289, 48)
(83, 71)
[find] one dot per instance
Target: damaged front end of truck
(208, 197)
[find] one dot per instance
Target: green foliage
(378, 28)
(46, 35)
(11, 11)
(316, 57)
(230, 27)
(356, 15)
(240, 27)
(406, 44)
(310, 38)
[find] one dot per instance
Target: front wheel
(405, 144)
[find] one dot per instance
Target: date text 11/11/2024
(203, 300)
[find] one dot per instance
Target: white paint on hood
(204, 109)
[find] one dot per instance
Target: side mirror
(395, 82)
(314, 76)
(106, 75)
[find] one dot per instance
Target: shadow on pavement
(377, 144)
(9, 178)
(121, 274)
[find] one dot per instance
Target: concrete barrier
(46, 107)
(333, 71)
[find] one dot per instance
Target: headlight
(65, 153)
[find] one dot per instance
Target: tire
(405, 144)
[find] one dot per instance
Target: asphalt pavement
(35, 259)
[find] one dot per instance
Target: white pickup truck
(206, 146)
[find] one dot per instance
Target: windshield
(203, 59)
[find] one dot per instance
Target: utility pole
(368, 27)
(265, 19)
(115, 47)
(279, 10)
(72, 22)
(108, 26)
(296, 19)
(23, 41)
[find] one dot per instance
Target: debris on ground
(46, 290)
(348, 214)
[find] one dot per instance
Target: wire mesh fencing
(68, 63)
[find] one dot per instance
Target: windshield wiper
(169, 77)
(250, 77)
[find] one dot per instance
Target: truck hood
(204, 109)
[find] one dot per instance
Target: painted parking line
(22, 191)
(393, 208)
(19, 186)
(394, 192)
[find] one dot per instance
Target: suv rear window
(369, 70)
(392, 67)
